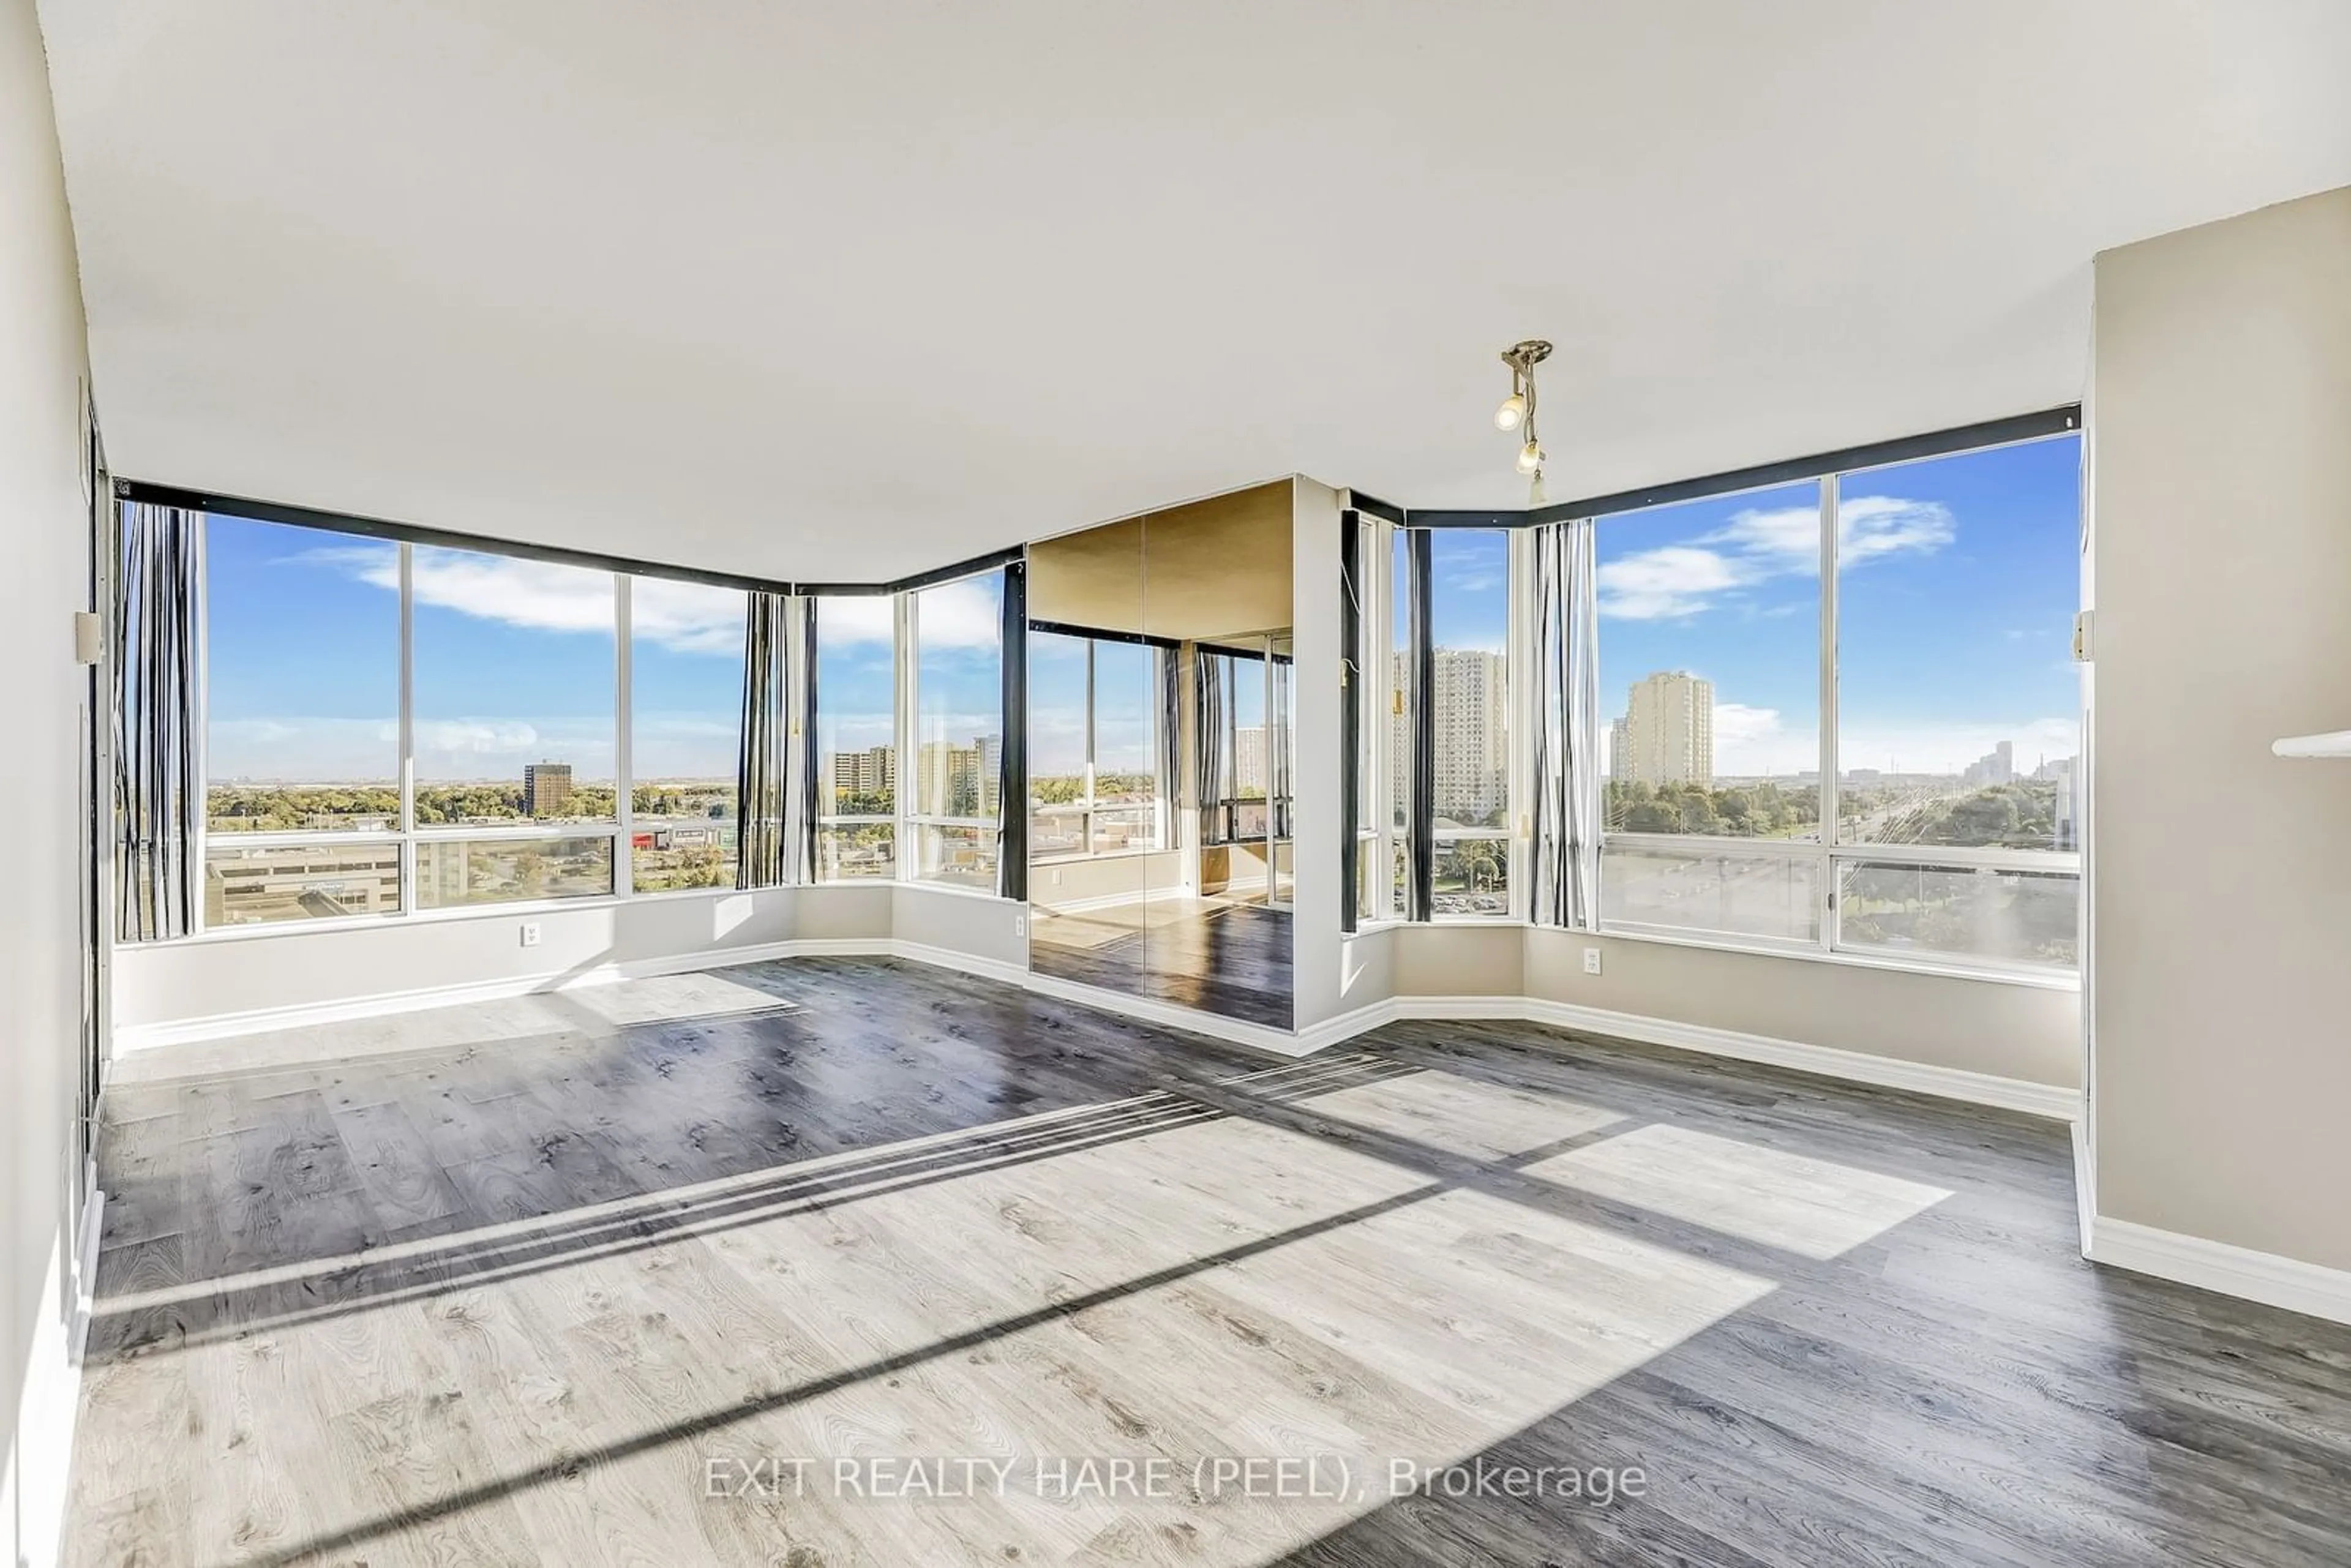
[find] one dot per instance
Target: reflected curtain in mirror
(157, 590)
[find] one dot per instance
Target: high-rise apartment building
(869, 773)
(1668, 737)
(1620, 749)
(948, 779)
(1250, 761)
(1470, 712)
(545, 788)
(1997, 766)
(990, 749)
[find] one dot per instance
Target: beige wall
(990, 929)
(44, 524)
(2033, 1033)
(2221, 449)
(1460, 960)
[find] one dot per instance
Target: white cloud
(854, 620)
(961, 614)
(1676, 580)
(1666, 583)
(687, 617)
(1753, 741)
(1872, 527)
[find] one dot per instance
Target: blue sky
(515, 664)
(1960, 583)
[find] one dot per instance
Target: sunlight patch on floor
(1812, 1207)
(1462, 1115)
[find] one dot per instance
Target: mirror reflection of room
(1160, 691)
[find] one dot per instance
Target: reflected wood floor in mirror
(536, 1299)
(1225, 957)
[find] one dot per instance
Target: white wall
(43, 520)
(2222, 466)
(237, 983)
(1315, 851)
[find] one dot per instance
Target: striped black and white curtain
(800, 821)
(762, 772)
(1566, 836)
(1208, 683)
(1171, 742)
(158, 591)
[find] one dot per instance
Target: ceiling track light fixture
(1517, 410)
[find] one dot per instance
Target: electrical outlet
(531, 933)
(1021, 925)
(1057, 876)
(1592, 960)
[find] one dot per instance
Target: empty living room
(1219, 785)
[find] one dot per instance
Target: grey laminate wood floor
(523, 1301)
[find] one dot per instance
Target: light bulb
(1531, 458)
(1513, 409)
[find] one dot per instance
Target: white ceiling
(844, 290)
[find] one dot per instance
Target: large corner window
(399, 728)
(1920, 802)
(686, 728)
(857, 739)
(1095, 783)
(956, 739)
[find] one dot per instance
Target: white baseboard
(2239, 1271)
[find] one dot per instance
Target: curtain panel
(763, 766)
(159, 588)
(1567, 694)
(1169, 787)
(800, 821)
(1208, 701)
(1012, 754)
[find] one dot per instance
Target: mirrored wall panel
(1160, 746)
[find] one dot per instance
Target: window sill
(2035, 980)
